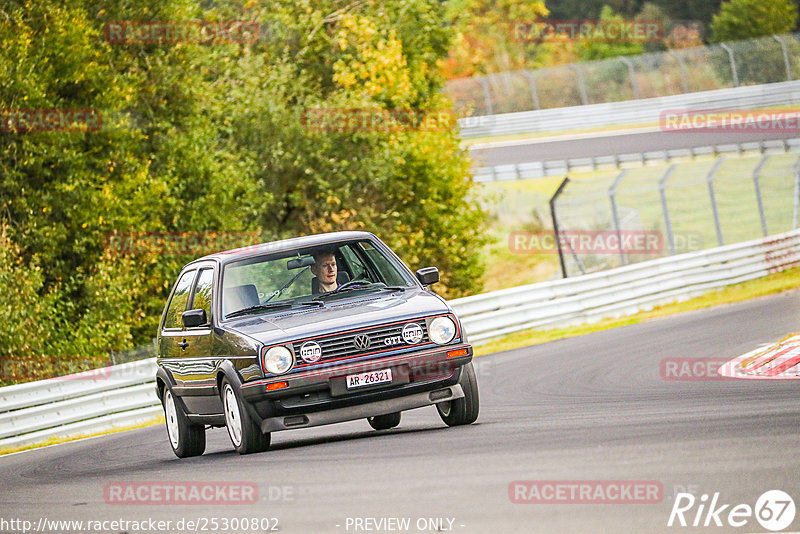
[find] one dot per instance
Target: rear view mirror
(194, 318)
(428, 276)
(296, 263)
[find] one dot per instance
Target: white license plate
(369, 379)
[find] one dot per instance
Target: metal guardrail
(83, 403)
(541, 169)
(624, 290)
(124, 395)
(625, 113)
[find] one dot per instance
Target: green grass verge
(465, 143)
(774, 283)
(55, 441)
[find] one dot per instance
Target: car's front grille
(351, 344)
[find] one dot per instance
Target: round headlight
(442, 330)
(278, 360)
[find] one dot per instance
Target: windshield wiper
(260, 307)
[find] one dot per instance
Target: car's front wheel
(244, 432)
(185, 438)
(463, 411)
(384, 422)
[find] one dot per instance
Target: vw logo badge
(362, 341)
(412, 333)
(311, 351)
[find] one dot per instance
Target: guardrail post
(487, 95)
(785, 57)
(714, 209)
(662, 186)
(796, 193)
(612, 195)
(555, 225)
(632, 73)
(732, 59)
(761, 213)
(534, 91)
(684, 71)
(581, 83)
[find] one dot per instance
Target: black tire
(185, 438)
(384, 422)
(245, 433)
(463, 411)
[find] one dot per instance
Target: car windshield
(308, 276)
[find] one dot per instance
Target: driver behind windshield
(324, 268)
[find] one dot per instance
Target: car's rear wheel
(245, 433)
(463, 411)
(384, 422)
(185, 438)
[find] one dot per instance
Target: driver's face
(325, 269)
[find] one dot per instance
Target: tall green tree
(746, 19)
(412, 186)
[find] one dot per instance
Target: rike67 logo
(774, 510)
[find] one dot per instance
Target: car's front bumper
(317, 397)
(362, 411)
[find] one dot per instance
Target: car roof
(227, 256)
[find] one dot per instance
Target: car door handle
(183, 344)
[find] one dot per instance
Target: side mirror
(193, 318)
(428, 276)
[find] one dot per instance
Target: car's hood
(362, 311)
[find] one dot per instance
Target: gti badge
(311, 351)
(412, 333)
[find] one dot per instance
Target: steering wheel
(351, 283)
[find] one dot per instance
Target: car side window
(179, 299)
(202, 292)
(357, 268)
(394, 277)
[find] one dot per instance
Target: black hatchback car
(305, 332)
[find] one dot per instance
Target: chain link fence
(688, 70)
(651, 212)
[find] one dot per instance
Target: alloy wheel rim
(233, 419)
(172, 419)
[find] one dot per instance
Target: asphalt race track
(607, 145)
(588, 408)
